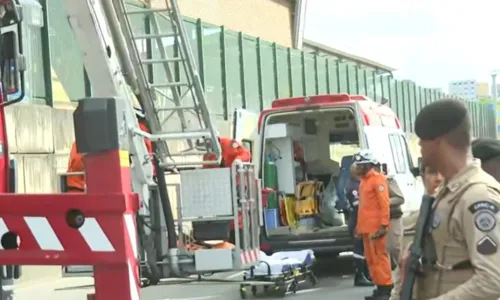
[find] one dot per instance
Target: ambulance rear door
(246, 131)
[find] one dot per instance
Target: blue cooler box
(271, 218)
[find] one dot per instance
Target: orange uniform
(373, 213)
(231, 151)
(144, 128)
(75, 183)
(148, 143)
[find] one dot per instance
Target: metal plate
(206, 193)
(213, 260)
(77, 271)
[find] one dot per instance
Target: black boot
(360, 279)
(384, 292)
(376, 292)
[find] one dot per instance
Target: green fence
(242, 71)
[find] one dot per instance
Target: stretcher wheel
(254, 290)
(293, 286)
(243, 291)
(281, 288)
(313, 279)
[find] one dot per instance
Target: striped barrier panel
(80, 229)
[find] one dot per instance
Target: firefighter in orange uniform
(76, 183)
(144, 127)
(373, 223)
(231, 151)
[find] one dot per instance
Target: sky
(429, 42)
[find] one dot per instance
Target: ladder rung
(160, 60)
(188, 163)
(154, 36)
(187, 154)
(176, 108)
(145, 11)
(183, 135)
(168, 84)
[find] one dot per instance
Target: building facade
(483, 90)
(463, 89)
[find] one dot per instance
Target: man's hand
(380, 233)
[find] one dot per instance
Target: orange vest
(231, 151)
(374, 203)
(75, 183)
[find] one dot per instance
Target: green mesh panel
(322, 79)
(233, 67)
(309, 73)
(251, 74)
(343, 67)
(284, 75)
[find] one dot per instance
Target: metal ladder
(176, 110)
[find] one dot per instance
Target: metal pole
(494, 89)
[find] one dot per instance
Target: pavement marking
(235, 275)
(307, 291)
(54, 283)
(34, 285)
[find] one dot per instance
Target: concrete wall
(40, 138)
(270, 20)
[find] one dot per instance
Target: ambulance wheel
(243, 291)
(254, 290)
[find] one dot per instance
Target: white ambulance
(328, 130)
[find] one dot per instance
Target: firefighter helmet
(365, 157)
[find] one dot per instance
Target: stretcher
(280, 273)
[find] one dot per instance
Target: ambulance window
(338, 151)
(399, 153)
(406, 151)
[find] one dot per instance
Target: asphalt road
(335, 280)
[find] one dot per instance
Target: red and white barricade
(97, 228)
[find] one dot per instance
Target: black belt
(463, 265)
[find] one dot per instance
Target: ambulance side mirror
(10, 12)
(12, 65)
(383, 168)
